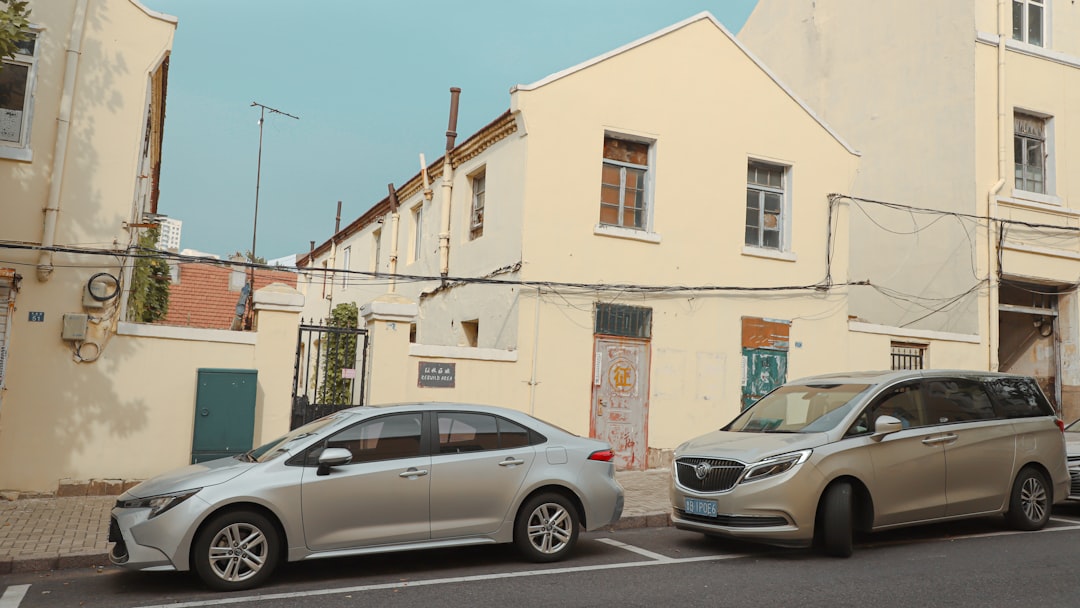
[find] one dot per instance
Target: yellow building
(961, 111)
(637, 245)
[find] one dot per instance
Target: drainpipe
(447, 186)
(992, 317)
(393, 237)
(63, 121)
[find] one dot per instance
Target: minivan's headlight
(775, 465)
(157, 504)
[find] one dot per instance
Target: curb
(47, 562)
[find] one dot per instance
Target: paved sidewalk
(38, 534)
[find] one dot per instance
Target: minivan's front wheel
(546, 528)
(835, 520)
(236, 550)
(1030, 501)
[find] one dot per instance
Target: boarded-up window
(624, 183)
(621, 320)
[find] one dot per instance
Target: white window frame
(1022, 31)
(346, 259)
(417, 213)
(478, 183)
(646, 229)
(376, 249)
(1020, 189)
(21, 149)
(784, 227)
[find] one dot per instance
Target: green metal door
(224, 413)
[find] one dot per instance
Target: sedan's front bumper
(160, 543)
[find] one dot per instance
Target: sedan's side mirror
(333, 457)
(885, 425)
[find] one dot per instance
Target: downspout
(393, 237)
(447, 186)
(992, 317)
(63, 121)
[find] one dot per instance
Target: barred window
(906, 355)
(621, 320)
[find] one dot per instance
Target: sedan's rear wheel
(1030, 501)
(546, 528)
(836, 521)
(236, 550)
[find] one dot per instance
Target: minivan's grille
(708, 474)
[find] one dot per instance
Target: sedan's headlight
(157, 504)
(774, 466)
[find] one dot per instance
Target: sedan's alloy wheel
(238, 552)
(550, 528)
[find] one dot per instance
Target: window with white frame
(1030, 152)
(346, 264)
(624, 183)
(476, 217)
(1029, 21)
(376, 249)
(417, 231)
(765, 184)
(17, 94)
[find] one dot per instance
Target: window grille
(621, 320)
(908, 356)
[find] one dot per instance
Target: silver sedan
(371, 480)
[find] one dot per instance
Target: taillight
(1060, 423)
(602, 455)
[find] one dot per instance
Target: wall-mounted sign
(348, 373)
(436, 375)
(37, 316)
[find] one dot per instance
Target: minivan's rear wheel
(835, 520)
(236, 550)
(1030, 501)
(546, 528)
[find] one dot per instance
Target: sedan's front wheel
(236, 550)
(546, 528)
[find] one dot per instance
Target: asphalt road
(974, 563)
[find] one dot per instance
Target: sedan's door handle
(411, 473)
(511, 461)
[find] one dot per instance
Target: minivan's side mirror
(885, 425)
(333, 457)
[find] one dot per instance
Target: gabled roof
(702, 16)
(201, 298)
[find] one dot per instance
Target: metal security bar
(329, 371)
(621, 320)
(908, 356)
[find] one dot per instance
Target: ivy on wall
(149, 298)
(339, 352)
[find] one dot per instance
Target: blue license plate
(696, 506)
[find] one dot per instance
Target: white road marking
(439, 581)
(658, 560)
(632, 548)
(13, 596)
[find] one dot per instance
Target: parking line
(438, 581)
(638, 550)
(13, 596)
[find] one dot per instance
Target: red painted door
(620, 399)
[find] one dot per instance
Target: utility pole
(263, 109)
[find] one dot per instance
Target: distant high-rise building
(169, 239)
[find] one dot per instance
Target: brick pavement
(38, 534)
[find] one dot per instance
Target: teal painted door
(224, 413)
(764, 356)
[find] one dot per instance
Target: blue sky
(370, 82)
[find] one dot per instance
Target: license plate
(696, 506)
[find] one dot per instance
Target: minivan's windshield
(813, 408)
(269, 451)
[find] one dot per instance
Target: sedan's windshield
(799, 409)
(271, 450)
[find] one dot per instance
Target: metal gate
(329, 372)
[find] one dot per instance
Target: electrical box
(94, 289)
(75, 325)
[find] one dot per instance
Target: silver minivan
(821, 458)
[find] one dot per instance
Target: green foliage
(338, 353)
(149, 297)
(14, 17)
(250, 258)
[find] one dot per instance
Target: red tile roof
(201, 298)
